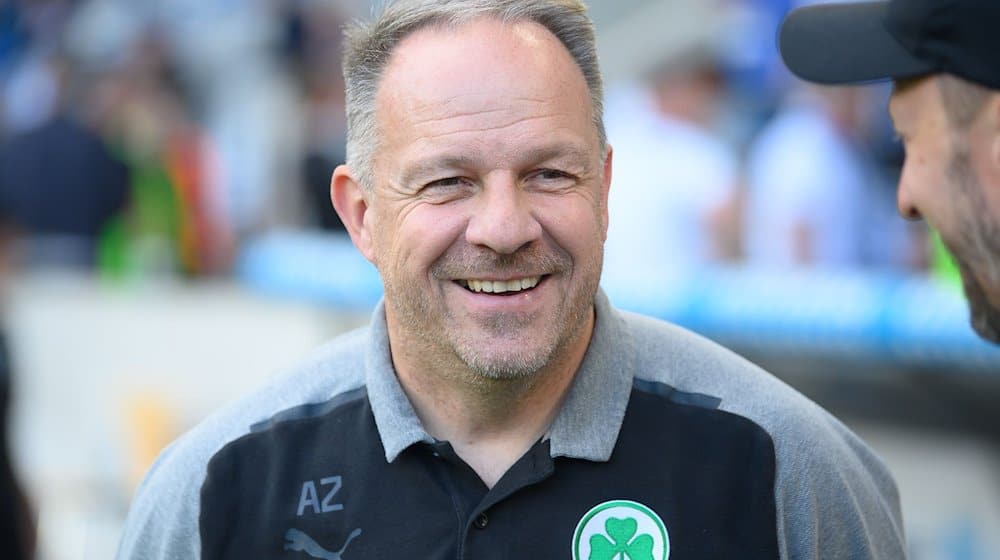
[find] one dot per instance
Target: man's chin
(500, 365)
(986, 322)
(983, 314)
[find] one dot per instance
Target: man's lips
(508, 286)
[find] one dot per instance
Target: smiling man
(498, 406)
(942, 56)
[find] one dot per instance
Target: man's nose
(904, 199)
(504, 219)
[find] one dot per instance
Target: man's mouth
(511, 286)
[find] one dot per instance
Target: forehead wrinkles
(476, 110)
(480, 132)
(474, 104)
(479, 115)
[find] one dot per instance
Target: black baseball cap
(868, 41)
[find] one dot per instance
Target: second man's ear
(348, 197)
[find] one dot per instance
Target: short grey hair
(369, 45)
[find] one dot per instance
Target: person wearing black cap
(945, 106)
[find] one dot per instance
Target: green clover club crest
(621, 530)
(621, 546)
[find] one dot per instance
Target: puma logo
(300, 542)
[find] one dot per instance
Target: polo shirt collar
(586, 427)
(397, 422)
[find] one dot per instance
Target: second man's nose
(904, 202)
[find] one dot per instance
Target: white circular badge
(621, 530)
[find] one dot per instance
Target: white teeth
(502, 286)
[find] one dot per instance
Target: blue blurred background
(167, 242)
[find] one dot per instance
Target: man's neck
(490, 423)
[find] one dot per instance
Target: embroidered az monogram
(310, 497)
(300, 542)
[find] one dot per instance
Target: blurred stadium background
(166, 240)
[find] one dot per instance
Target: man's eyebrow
(568, 152)
(430, 166)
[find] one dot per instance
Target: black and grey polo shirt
(667, 446)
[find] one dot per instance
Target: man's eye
(446, 183)
(446, 190)
(551, 175)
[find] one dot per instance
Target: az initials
(310, 498)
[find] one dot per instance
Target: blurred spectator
(17, 518)
(673, 197)
(169, 226)
(815, 195)
(313, 37)
(59, 185)
(227, 55)
(756, 77)
(17, 526)
(30, 94)
(12, 33)
(28, 25)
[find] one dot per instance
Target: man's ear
(605, 189)
(348, 197)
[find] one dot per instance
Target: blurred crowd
(151, 139)
(158, 137)
(722, 157)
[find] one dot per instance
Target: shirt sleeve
(834, 497)
(162, 523)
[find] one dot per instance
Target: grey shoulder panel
(162, 522)
(834, 495)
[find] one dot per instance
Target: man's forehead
(918, 102)
(461, 57)
(483, 35)
(902, 90)
(481, 66)
(892, 107)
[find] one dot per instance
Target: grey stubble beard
(977, 250)
(441, 341)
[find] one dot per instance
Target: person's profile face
(489, 208)
(941, 183)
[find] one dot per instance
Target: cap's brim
(845, 43)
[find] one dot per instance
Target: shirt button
(481, 521)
